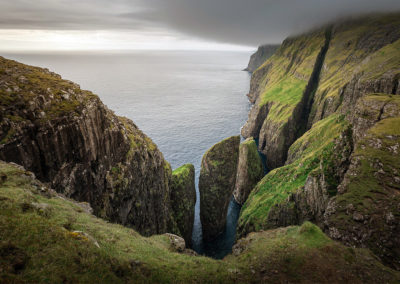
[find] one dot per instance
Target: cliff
(216, 185)
(46, 237)
(183, 200)
(260, 56)
(325, 111)
(77, 146)
(249, 170)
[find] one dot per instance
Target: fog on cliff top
(237, 22)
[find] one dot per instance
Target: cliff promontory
(75, 144)
(260, 56)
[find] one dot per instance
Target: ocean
(185, 101)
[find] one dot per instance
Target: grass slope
(307, 153)
(39, 243)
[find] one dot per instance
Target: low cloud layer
(250, 22)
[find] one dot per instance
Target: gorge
(325, 114)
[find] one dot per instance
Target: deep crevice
(301, 114)
(312, 86)
(395, 85)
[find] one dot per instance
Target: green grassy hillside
(48, 238)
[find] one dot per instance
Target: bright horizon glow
(16, 40)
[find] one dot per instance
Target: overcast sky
(167, 24)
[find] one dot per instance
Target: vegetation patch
(311, 150)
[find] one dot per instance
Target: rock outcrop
(76, 145)
(216, 185)
(260, 56)
(183, 200)
(249, 170)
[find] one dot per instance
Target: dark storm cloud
(249, 22)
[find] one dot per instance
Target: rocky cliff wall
(74, 143)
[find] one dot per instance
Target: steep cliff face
(183, 200)
(300, 190)
(216, 185)
(249, 170)
(365, 212)
(342, 172)
(260, 56)
(72, 142)
(313, 76)
(282, 89)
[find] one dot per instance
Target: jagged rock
(81, 149)
(177, 243)
(216, 185)
(249, 171)
(260, 56)
(183, 200)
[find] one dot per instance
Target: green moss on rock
(312, 151)
(216, 185)
(250, 170)
(183, 200)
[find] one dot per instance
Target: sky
(41, 25)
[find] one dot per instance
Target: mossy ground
(41, 246)
(308, 152)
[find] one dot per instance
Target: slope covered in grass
(48, 238)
